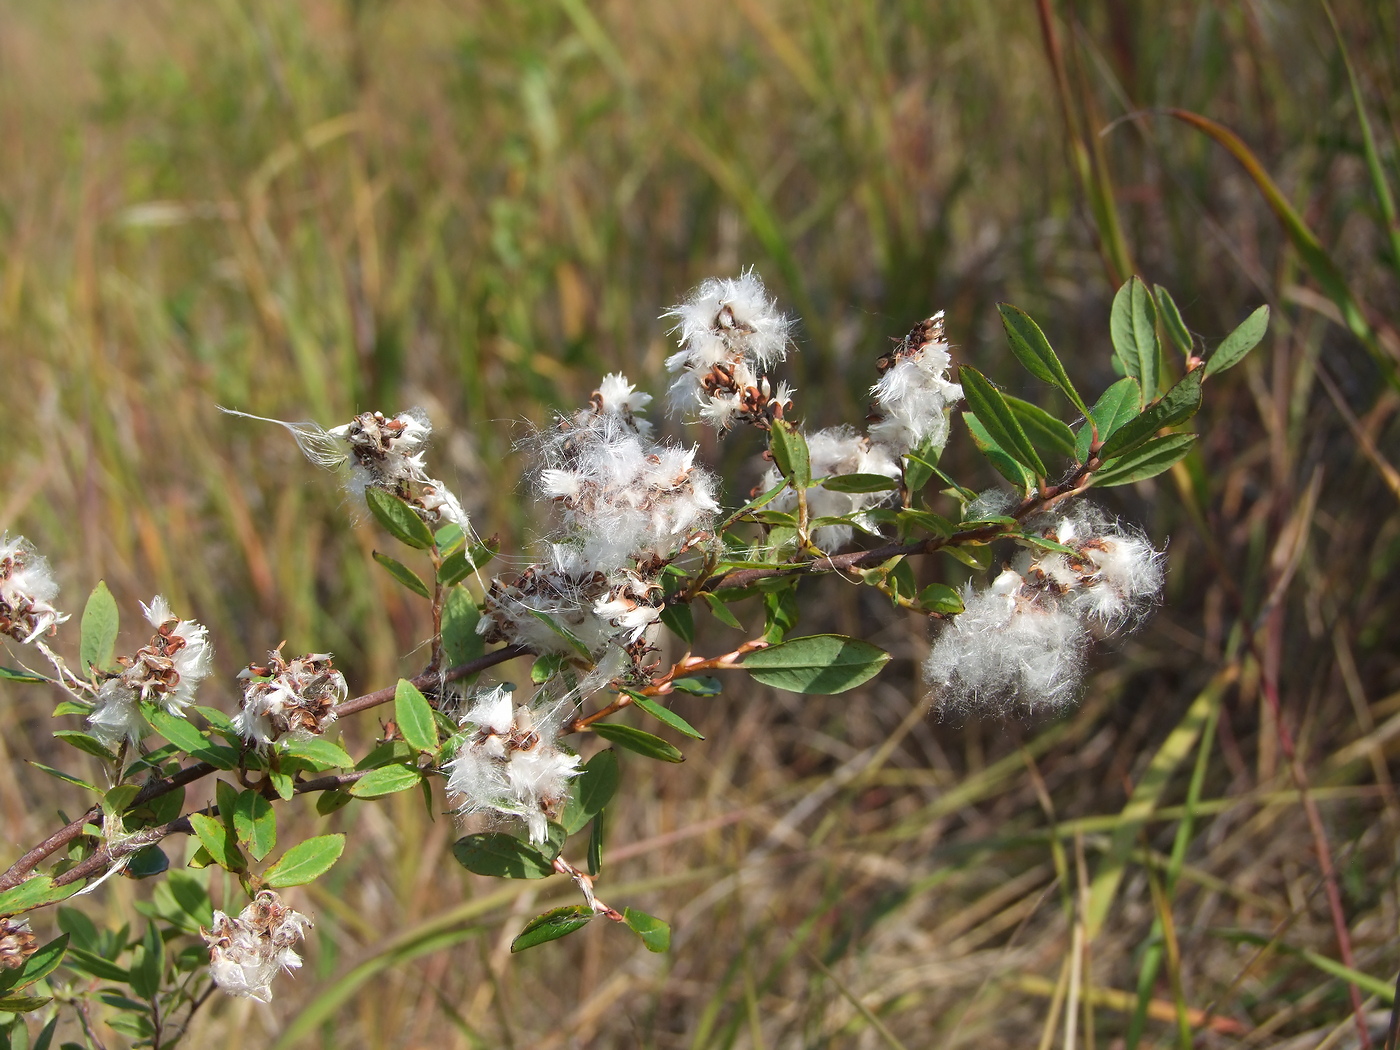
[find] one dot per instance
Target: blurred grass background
(309, 209)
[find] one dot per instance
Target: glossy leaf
(306, 861)
(401, 572)
(1033, 350)
(1176, 328)
(414, 717)
(940, 598)
(638, 740)
(9, 674)
(97, 636)
(591, 790)
(320, 752)
(386, 780)
(665, 714)
(1173, 408)
(83, 742)
(1133, 327)
(702, 685)
(1146, 461)
(1239, 342)
(178, 730)
(819, 663)
(147, 862)
(398, 518)
(1119, 403)
(215, 837)
(255, 824)
(859, 483)
(1052, 438)
(997, 418)
(553, 924)
(502, 856)
(790, 453)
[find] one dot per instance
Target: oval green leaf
(1146, 461)
(859, 483)
(386, 780)
(591, 790)
(1033, 350)
(818, 663)
(401, 572)
(414, 716)
(638, 740)
(398, 518)
(1133, 328)
(305, 861)
(553, 924)
(1239, 342)
(502, 856)
(995, 415)
(655, 934)
(97, 637)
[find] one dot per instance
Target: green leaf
(460, 642)
(595, 844)
(149, 964)
(414, 716)
(1051, 438)
(1174, 407)
(215, 837)
(1133, 326)
(818, 663)
(638, 740)
(38, 966)
(33, 892)
(389, 752)
(553, 924)
(1119, 403)
(1146, 461)
(1005, 465)
(97, 637)
(500, 855)
(789, 448)
(448, 536)
(680, 620)
(320, 752)
(663, 714)
(66, 777)
(1172, 322)
(996, 417)
(9, 674)
(1033, 350)
(401, 521)
(908, 519)
(563, 632)
(92, 963)
(591, 790)
(401, 572)
(1239, 342)
(330, 801)
(255, 824)
(859, 483)
(940, 598)
(780, 611)
(117, 799)
(23, 1004)
(386, 780)
(306, 861)
(83, 742)
(655, 934)
(177, 730)
(547, 666)
(721, 612)
(147, 862)
(701, 686)
(457, 566)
